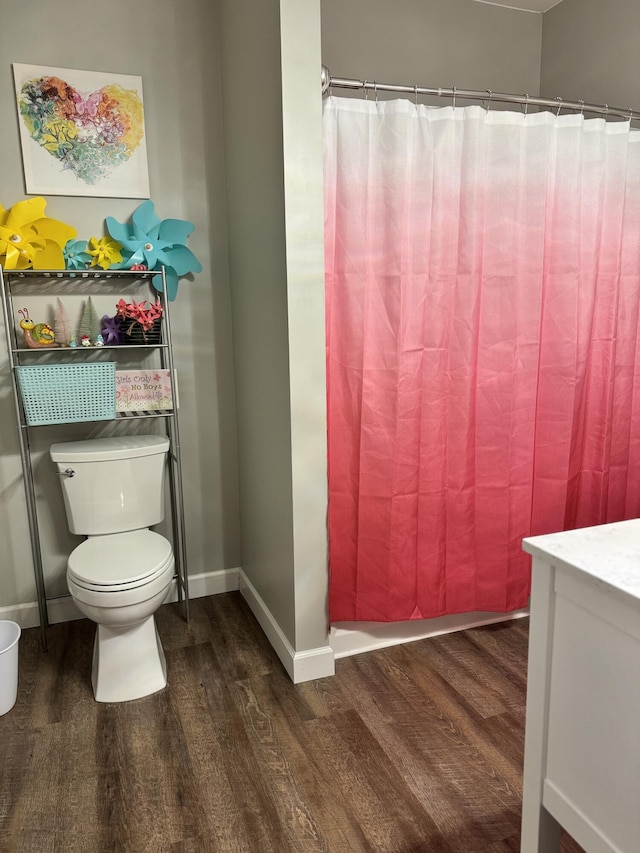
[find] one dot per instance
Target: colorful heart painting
(90, 134)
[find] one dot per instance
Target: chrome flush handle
(68, 472)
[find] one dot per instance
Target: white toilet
(120, 575)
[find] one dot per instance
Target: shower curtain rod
(487, 95)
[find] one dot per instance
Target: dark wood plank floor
(413, 749)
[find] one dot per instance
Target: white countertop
(609, 552)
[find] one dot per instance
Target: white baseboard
(300, 666)
(345, 639)
(209, 583)
(60, 609)
(353, 638)
(63, 609)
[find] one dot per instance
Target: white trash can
(9, 636)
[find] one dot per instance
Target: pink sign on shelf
(143, 390)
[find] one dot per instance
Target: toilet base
(128, 662)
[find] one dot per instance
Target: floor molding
(63, 609)
(300, 666)
(345, 638)
(354, 638)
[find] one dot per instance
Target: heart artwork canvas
(82, 132)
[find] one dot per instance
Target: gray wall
(257, 258)
(174, 47)
(433, 43)
(590, 51)
(273, 132)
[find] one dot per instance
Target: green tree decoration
(90, 322)
(63, 330)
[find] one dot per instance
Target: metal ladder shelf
(65, 281)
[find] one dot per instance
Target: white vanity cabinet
(582, 742)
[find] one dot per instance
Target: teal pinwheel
(75, 254)
(155, 243)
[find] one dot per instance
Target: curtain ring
(526, 103)
(581, 102)
(560, 102)
(453, 101)
(490, 93)
(375, 91)
(366, 90)
(415, 91)
(605, 109)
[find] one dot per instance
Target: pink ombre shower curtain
(483, 287)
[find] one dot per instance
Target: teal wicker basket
(68, 393)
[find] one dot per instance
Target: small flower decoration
(143, 313)
(104, 252)
(155, 243)
(31, 240)
(110, 330)
(75, 254)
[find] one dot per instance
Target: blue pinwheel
(155, 243)
(75, 254)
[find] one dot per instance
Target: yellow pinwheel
(104, 252)
(31, 240)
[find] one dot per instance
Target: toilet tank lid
(112, 447)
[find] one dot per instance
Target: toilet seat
(120, 569)
(118, 562)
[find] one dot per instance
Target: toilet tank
(111, 485)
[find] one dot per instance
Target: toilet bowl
(121, 574)
(119, 581)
